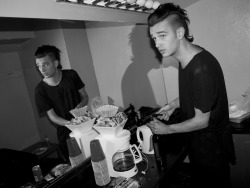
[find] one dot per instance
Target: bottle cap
(73, 148)
(96, 151)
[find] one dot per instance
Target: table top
(82, 175)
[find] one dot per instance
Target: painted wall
(72, 40)
(18, 128)
(126, 66)
(79, 53)
(51, 34)
(222, 27)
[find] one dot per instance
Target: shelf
(51, 9)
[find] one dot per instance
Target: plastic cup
(73, 148)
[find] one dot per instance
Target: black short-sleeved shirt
(63, 97)
(202, 86)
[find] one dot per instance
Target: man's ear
(56, 63)
(180, 32)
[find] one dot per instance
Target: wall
(126, 66)
(72, 40)
(222, 27)
(79, 53)
(50, 33)
(18, 125)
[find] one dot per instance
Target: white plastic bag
(96, 102)
(241, 107)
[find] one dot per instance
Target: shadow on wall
(170, 62)
(136, 86)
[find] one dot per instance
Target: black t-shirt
(202, 86)
(63, 97)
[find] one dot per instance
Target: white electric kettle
(144, 137)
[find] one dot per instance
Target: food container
(83, 127)
(60, 170)
(110, 131)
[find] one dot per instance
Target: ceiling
(15, 31)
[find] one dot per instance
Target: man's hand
(165, 112)
(157, 127)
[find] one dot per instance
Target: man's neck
(54, 80)
(186, 53)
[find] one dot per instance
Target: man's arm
(84, 98)
(55, 118)
(199, 121)
(168, 109)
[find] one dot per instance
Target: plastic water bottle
(47, 142)
(37, 172)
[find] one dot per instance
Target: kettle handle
(138, 136)
(151, 147)
(136, 153)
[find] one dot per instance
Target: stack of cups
(75, 153)
(99, 163)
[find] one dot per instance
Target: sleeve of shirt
(42, 102)
(203, 90)
(77, 80)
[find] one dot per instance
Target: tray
(39, 151)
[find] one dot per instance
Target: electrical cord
(146, 160)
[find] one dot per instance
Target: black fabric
(202, 86)
(206, 176)
(62, 98)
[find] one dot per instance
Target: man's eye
(162, 36)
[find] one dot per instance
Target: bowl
(107, 110)
(83, 127)
(110, 131)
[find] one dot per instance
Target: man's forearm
(59, 121)
(84, 98)
(175, 104)
(56, 119)
(83, 103)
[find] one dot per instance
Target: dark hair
(177, 19)
(50, 50)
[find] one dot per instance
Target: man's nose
(42, 68)
(157, 43)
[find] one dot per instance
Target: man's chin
(46, 76)
(165, 55)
